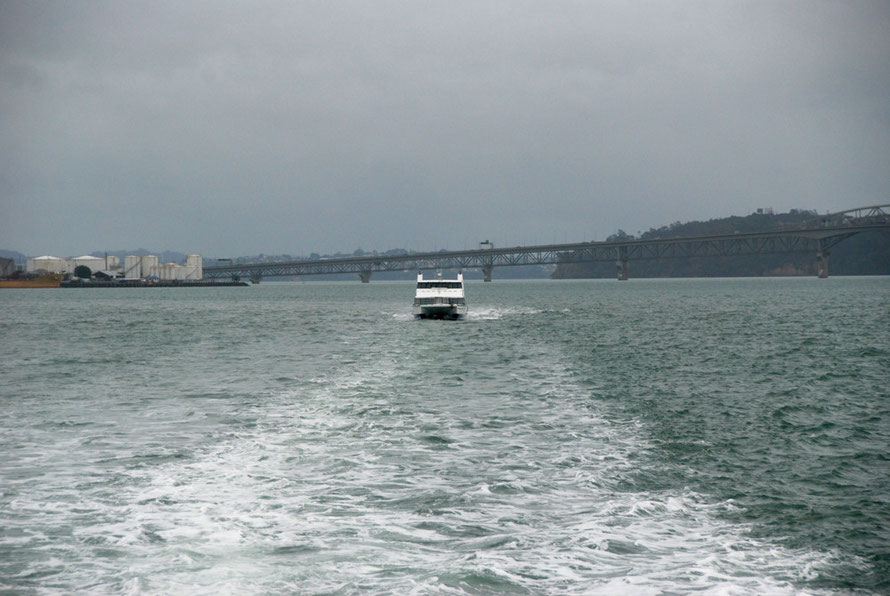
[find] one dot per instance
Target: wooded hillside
(867, 253)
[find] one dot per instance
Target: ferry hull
(448, 312)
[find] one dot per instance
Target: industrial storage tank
(150, 266)
(194, 265)
(49, 264)
(172, 272)
(167, 271)
(94, 263)
(132, 267)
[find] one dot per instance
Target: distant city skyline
(232, 129)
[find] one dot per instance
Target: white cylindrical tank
(195, 267)
(94, 263)
(167, 271)
(47, 263)
(150, 266)
(132, 267)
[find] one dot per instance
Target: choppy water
(643, 437)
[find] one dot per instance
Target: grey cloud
(231, 128)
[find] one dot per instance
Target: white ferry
(440, 298)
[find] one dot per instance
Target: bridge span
(817, 238)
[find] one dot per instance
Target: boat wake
(340, 486)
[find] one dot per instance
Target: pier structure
(816, 238)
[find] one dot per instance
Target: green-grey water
(642, 437)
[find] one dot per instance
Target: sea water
(586, 437)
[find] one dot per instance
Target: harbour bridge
(817, 237)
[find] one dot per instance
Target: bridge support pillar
(822, 264)
(365, 276)
(256, 278)
(486, 271)
(622, 270)
(622, 263)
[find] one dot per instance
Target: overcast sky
(235, 128)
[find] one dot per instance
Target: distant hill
(17, 257)
(867, 253)
(11, 254)
(167, 256)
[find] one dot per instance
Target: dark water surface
(643, 437)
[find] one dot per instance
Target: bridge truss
(817, 239)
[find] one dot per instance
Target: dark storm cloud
(232, 128)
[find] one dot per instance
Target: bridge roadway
(817, 238)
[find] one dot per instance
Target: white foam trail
(379, 476)
(495, 313)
